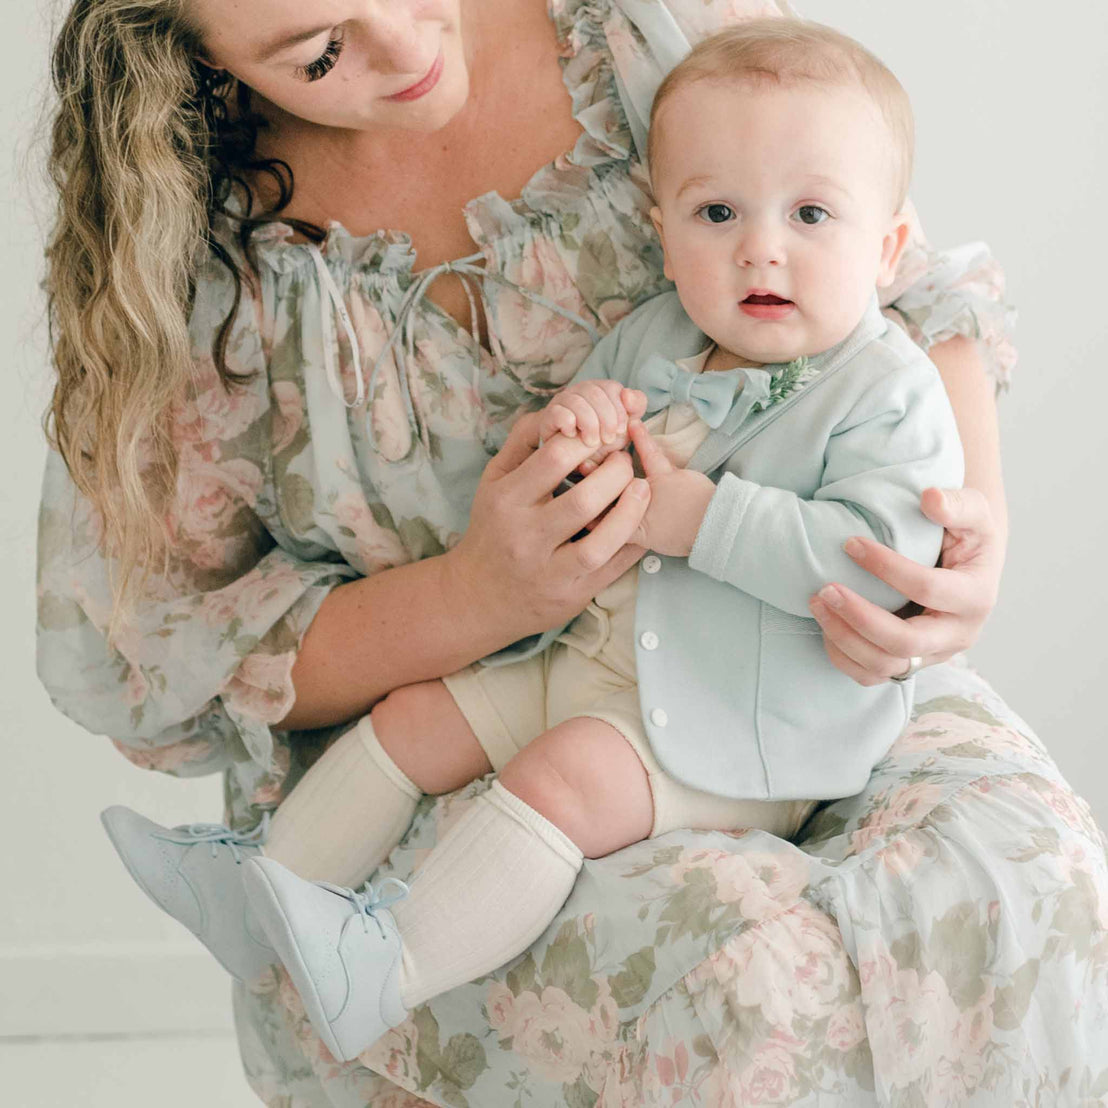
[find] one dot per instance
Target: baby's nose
(760, 246)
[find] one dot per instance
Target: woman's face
(352, 64)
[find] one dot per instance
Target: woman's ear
(656, 219)
(892, 247)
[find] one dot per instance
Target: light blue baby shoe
(194, 873)
(340, 947)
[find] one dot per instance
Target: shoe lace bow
(217, 834)
(367, 900)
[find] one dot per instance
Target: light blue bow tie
(711, 394)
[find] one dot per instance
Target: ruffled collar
(562, 184)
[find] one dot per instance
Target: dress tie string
(330, 340)
(401, 341)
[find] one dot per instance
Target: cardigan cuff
(711, 549)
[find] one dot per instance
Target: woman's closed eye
(811, 214)
(323, 65)
(716, 212)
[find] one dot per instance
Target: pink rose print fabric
(940, 939)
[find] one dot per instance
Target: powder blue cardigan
(738, 697)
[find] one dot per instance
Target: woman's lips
(766, 305)
(421, 87)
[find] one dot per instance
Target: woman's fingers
(845, 664)
(606, 547)
(939, 589)
(886, 632)
(577, 507)
(540, 474)
(870, 644)
(878, 642)
(521, 443)
(530, 471)
(934, 635)
(958, 510)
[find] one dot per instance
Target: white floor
(108, 1026)
(172, 1071)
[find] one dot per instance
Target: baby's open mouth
(766, 306)
(765, 298)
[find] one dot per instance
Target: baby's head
(780, 155)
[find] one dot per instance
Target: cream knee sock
(484, 894)
(346, 813)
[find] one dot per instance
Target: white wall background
(1011, 115)
(82, 952)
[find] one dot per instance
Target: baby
(785, 416)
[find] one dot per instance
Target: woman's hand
(517, 562)
(870, 644)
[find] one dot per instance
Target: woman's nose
(395, 40)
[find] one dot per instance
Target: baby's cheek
(839, 304)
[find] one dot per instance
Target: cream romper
(590, 671)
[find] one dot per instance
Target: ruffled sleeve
(200, 672)
(939, 294)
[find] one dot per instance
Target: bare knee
(585, 778)
(426, 735)
(538, 778)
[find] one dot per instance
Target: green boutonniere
(786, 380)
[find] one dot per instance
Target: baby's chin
(732, 359)
(783, 353)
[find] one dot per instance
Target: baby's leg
(587, 780)
(502, 872)
(427, 736)
(346, 814)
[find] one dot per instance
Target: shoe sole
(137, 878)
(267, 905)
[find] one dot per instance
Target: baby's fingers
(603, 395)
(557, 419)
(654, 462)
(634, 403)
(585, 417)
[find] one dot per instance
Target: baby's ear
(892, 247)
(656, 219)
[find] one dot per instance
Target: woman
(311, 550)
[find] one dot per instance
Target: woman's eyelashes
(323, 65)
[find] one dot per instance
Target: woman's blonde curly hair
(147, 147)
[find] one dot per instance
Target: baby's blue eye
(812, 214)
(716, 213)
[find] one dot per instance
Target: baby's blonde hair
(788, 52)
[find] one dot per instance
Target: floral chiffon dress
(359, 438)
(291, 485)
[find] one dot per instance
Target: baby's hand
(598, 411)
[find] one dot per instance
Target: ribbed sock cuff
(536, 822)
(372, 746)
